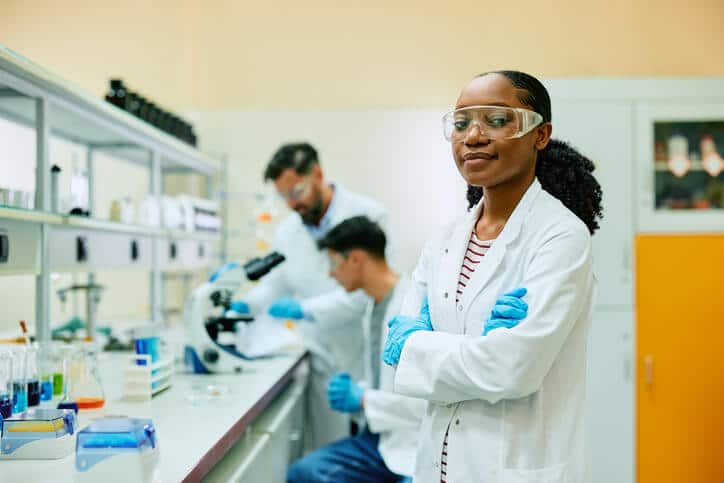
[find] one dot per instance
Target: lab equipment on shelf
(137, 105)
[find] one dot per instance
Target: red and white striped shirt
(473, 256)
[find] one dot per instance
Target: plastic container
(117, 449)
(147, 341)
(40, 434)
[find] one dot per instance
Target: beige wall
(317, 54)
(88, 42)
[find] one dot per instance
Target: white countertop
(193, 433)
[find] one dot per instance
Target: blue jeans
(350, 460)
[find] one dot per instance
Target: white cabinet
(177, 254)
(19, 246)
(245, 462)
(283, 421)
(74, 249)
(603, 131)
(267, 447)
(680, 181)
(610, 397)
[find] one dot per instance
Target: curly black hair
(562, 171)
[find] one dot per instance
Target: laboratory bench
(218, 427)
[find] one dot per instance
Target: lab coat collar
(515, 222)
(458, 244)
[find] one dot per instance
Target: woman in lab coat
(507, 407)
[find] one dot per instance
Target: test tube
(6, 385)
(32, 377)
(20, 387)
(45, 367)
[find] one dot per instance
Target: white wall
(398, 157)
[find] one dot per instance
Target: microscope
(210, 324)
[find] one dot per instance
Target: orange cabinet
(680, 358)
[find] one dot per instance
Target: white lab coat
(394, 417)
(335, 337)
(513, 400)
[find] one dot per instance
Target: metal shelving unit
(36, 98)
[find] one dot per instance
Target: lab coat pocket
(552, 474)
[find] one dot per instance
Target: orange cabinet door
(680, 358)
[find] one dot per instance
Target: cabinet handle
(626, 260)
(649, 371)
(626, 358)
(4, 248)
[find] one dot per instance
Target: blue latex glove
(508, 311)
(344, 394)
(286, 308)
(240, 306)
(401, 327)
(222, 270)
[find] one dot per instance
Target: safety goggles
(298, 191)
(494, 122)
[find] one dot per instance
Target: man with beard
(302, 288)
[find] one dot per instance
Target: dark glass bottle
(143, 107)
(33, 392)
(163, 121)
(132, 104)
(117, 93)
(6, 405)
(153, 114)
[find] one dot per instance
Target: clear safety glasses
(298, 191)
(336, 259)
(495, 122)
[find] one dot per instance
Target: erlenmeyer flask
(84, 383)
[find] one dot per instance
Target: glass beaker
(83, 380)
(6, 385)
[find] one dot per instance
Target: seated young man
(384, 451)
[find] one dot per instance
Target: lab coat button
(445, 295)
(437, 465)
(457, 422)
(460, 307)
(446, 250)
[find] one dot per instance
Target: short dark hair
(298, 156)
(359, 233)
